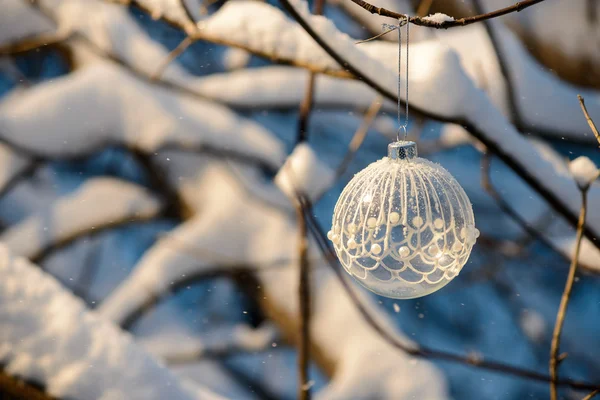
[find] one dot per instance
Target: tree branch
(304, 300)
(307, 103)
(172, 56)
(591, 395)
(17, 389)
(502, 64)
(564, 301)
(424, 21)
(486, 183)
(588, 118)
(31, 43)
(359, 136)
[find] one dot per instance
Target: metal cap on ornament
(402, 150)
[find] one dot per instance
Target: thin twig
(61, 243)
(304, 298)
(588, 118)
(176, 52)
(34, 42)
(304, 307)
(591, 395)
(307, 103)
(515, 116)
(424, 21)
(305, 109)
(376, 36)
(18, 389)
(486, 183)
(359, 135)
(564, 301)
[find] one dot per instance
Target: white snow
(49, 337)
(103, 105)
(235, 59)
(438, 18)
(255, 27)
(18, 20)
(98, 202)
(175, 347)
(584, 171)
(11, 164)
(304, 173)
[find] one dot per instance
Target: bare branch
(591, 395)
(502, 64)
(18, 389)
(376, 36)
(307, 103)
(564, 301)
(359, 136)
(588, 118)
(176, 52)
(304, 300)
(424, 21)
(33, 42)
(486, 183)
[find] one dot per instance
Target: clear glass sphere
(403, 226)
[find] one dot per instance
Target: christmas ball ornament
(403, 227)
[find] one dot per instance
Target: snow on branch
(236, 24)
(437, 19)
(19, 20)
(47, 336)
(11, 165)
(104, 105)
(441, 21)
(584, 171)
(98, 203)
(304, 173)
(219, 342)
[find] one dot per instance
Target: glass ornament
(403, 227)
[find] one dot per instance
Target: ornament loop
(404, 131)
(402, 150)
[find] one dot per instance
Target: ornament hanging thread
(403, 227)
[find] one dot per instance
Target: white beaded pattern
(403, 228)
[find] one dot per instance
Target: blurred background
(145, 172)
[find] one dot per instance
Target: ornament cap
(402, 150)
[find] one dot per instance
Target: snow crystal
(584, 171)
(438, 18)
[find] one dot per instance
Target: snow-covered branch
(100, 203)
(84, 356)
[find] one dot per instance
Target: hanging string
(403, 126)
